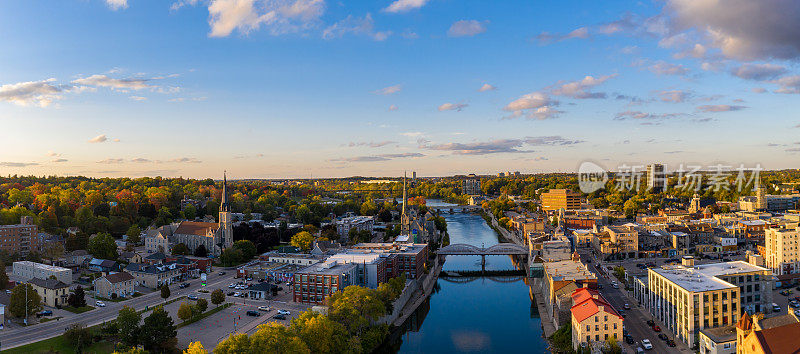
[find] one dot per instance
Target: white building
(783, 249)
(28, 270)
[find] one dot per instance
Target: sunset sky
(276, 89)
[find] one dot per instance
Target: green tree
(165, 293)
(17, 305)
(247, 247)
(302, 240)
(128, 321)
(562, 340)
(3, 277)
(134, 234)
(52, 250)
(79, 337)
(77, 298)
(158, 333)
(185, 311)
(356, 308)
(276, 338)
(611, 347)
(231, 256)
(103, 246)
(217, 297)
(201, 251)
(201, 305)
(180, 249)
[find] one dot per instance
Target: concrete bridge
(500, 249)
(455, 208)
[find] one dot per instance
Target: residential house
(594, 320)
(53, 292)
(121, 284)
(153, 276)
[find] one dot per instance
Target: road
(635, 321)
(15, 337)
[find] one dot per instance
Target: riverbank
(420, 294)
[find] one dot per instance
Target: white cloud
(789, 84)
(116, 84)
(279, 16)
(542, 113)
(400, 6)
(663, 68)
(452, 107)
(117, 4)
(487, 87)
(467, 28)
(535, 105)
(99, 139)
(353, 25)
(412, 134)
(181, 3)
(759, 90)
(758, 72)
(393, 108)
(184, 160)
(57, 160)
(674, 96)
(580, 89)
(138, 98)
(639, 115)
(112, 161)
(53, 154)
(390, 90)
(719, 108)
(18, 164)
(39, 93)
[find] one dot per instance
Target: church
(214, 237)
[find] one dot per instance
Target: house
(155, 258)
(325, 248)
(53, 292)
(102, 265)
(78, 257)
(153, 276)
(260, 290)
(130, 257)
(157, 243)
(594, 320)
(120, 284)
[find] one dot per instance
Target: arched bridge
(498, 250)
(455, 208)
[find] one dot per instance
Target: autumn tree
(302, 240)
(217, 297)
(195, 348)
(17, 304)
(322, 335)
(185, 311)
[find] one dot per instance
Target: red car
(657, 328)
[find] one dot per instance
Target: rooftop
(568, 270)
(328, 268)
(704, 277)
(195, 228)
(721, 334)
(48, 283)
(42, 266)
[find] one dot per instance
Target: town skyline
(295, 89)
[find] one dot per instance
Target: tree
(77, 298)
(158, 333)
(165, 292)
(128, 322)
(231, 256)
(217, 297)
(180, 249)
(562, 340)
(52, 250)
(320, 334)
(134, 234)
(185, 312)
(103, 246)
(247, 247)
(269, 338)
(79, 337)
(201, 251)
(234, 344)
(195, 348)
(3, 277)
(201, 305)
(611, 347)
(302, 240)
(356, 308)
(17, 305)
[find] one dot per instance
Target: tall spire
(405, 200)
(223, 205)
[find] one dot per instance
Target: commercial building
(314, 284)
(625, 240)
(782, 246)
(120, 284)
(410, 257)
(19, 239)
(561, 279)
(471, 185)
(762, 201)
(655, 177)
(53, 292)
(594, 320)
(719, 340)
(29, 270)
(301, 259)
(154, 276)
(556, 199)
(689, 298)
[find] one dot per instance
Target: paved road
(11, 338)
(635, 321)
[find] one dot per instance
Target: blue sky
(295, 88)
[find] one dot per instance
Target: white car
(100, 303)
(237, 294)
(284, 312)
(627, 306)
(797, 313)
(231, 286)
(646, 344)
(264, 308)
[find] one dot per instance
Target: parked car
(671, 343)
(231, 286)
(627, 306)
(656, 328)
(284, 312)
(231, 293)
(599, 286)
(100, 303)
(650, 323)
(662, 336)
(183, 285)
(192, 297)
(629, 339)
(44, 313)
(264, 308)
(279, 317)
(237, 294)
(775, 307)
(646, 344)
(221, 273)
(639, 350)
(253, 313)
(615, 286)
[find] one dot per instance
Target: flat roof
(704, 277)
(328, 268)
(720, 334)
(43, 266)
(726, 268)
(568, 270)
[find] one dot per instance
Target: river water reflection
(482, 315)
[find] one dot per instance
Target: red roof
(195, 228)
(589, 305)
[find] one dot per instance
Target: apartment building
(689, 298)
(154, 276)
(556, 199)
(562, 278)
(20, 238)
(359, 223)
(471, 185)
(410, 257)
(782, 246)
(120, 284)
(655, 177)
(594, 320)
(30, 270)
(314, 284)
(625, 240)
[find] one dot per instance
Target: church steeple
(223, 205)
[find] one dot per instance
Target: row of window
(597, 327)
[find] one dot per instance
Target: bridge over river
(500, 249)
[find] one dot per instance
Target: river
(478, 316)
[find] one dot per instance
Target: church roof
(195, 228)
(745, 323)
(781, 339)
